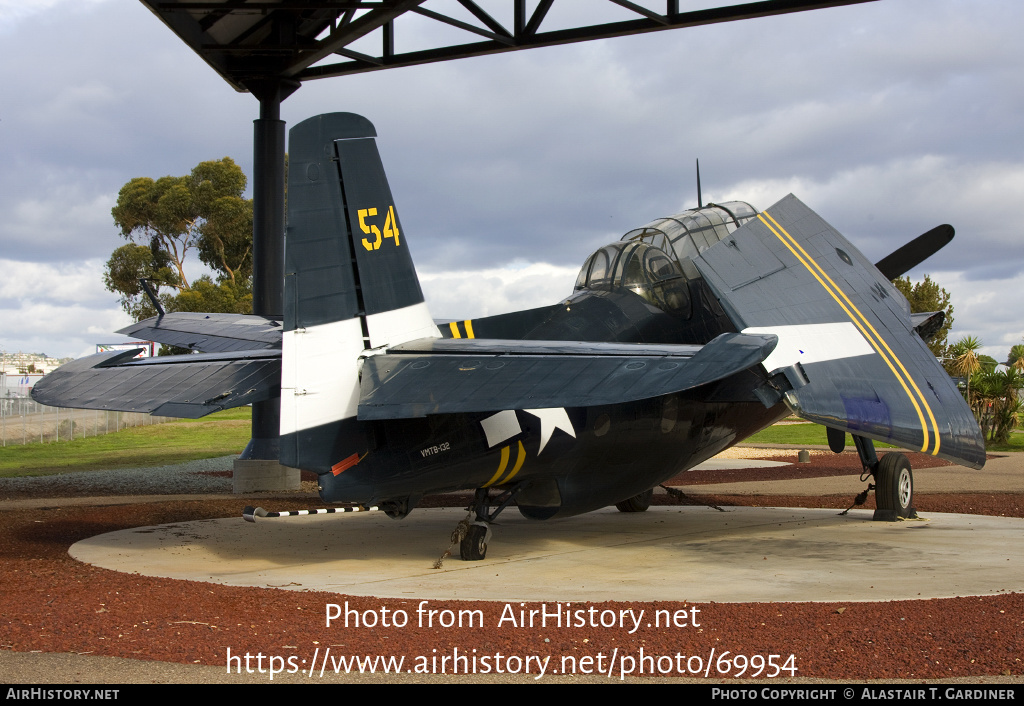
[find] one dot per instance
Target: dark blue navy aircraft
(680, 340)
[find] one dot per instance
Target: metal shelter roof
(250, 41)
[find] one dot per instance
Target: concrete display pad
(667, 553)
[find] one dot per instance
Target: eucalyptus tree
(166, 221)
(928, 295)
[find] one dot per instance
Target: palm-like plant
(985, 391)
(996, 402)
(964, 360)
(1008, 409)
(993, 396)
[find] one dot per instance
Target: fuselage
(578, 459)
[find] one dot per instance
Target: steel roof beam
(263, 39)
(488, 21)
(348, 33)
(527, 38)
(504, 37)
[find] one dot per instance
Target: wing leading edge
(846, 331)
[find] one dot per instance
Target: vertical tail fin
(350, 285)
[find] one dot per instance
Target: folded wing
(847, 342)
(242, 365)
(189, 386)
(211, 333)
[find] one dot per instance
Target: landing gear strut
(894, 481)
(473, 546)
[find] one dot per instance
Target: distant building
(29, 363)
(20, 371)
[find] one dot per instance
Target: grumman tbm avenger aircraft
(680, 340)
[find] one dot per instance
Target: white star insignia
(551, 419)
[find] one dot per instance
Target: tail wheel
(894, 488)
(637, 503)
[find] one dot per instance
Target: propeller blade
(901, 261)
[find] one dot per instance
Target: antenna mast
(700, 202)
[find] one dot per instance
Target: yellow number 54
(390, 227)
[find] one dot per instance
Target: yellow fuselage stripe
(505, 453)
(861, 322)
(456, 333)
(520, 460)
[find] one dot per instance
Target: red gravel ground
(51, 603)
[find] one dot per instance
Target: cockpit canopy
(655, 261)
(641, 268)
(689, 233)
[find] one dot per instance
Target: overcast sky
(886, 118)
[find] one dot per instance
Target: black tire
(473, 546)
(637, 503)
(894, 488)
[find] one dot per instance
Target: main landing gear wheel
(894, 488)
(473, 546)
(637, 503)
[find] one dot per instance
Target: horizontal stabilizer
(477, 375)
(189, 386)
(862, 367)
(210, 333)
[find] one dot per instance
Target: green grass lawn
(1016, 443)
(227, 433)
(218, 434)
(799, 434)
(814, 434)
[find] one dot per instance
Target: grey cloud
(887, 118)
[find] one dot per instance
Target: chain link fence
(25, 421)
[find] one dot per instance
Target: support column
(268, 193)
